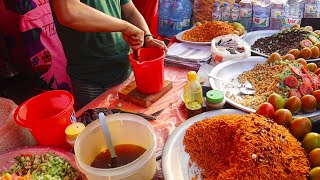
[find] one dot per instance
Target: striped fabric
(85, 92)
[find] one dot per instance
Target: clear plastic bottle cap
(216, 5)
(192, 76)
(225, 4)
(215, 96)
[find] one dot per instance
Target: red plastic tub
(47, 115)
(148, 70)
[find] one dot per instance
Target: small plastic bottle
(176, 18)
(215, 100)
(192, 95)
(318, 9)
(246, 14)
(310, 9)
(277, 14)
(216, 12)
(235, 13)
(73, 131)
(261, 15)
(292, 14)
(225, 12)
(187, 14)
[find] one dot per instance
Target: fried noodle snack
(207, 31)
(245, 147)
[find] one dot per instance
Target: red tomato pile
(305, 97)
(299, 127)
(303, 94)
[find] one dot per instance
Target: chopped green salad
(47, 166)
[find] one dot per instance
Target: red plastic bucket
(148, 70)
(47, 115)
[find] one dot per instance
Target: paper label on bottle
(245, 12)
(177, 25)
(288, 22)
(235, 16)
(310, 8)
(225, 15)
(277, 13)
(164, 22)
(260, 22)
(171, 24)
(216, 16)
(186, 22)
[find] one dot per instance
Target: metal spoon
(242, 87)
(106, 134)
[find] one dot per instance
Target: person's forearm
(78, 16)
(134, 17)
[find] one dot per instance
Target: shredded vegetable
(245, 147)
(40, 167)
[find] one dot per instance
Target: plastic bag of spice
(229, 47)
(202, 9)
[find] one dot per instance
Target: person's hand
(155, 43)
(133, 36)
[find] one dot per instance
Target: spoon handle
(215, 77)
(106, 133)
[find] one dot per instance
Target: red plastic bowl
(7, 158)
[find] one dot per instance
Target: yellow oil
(193, 95)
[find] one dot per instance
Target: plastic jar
(124, 129)
(215, 100)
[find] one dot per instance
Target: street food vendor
(97, 37)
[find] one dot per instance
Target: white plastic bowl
(124, 129)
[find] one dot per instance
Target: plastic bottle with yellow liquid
(193, 95)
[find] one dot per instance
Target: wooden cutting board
(131, 94)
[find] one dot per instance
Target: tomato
(296, 70)
(315, 86)
(315, 78)
(302, 61)
(316, 94)
(314, 157)
(309, 103)
(312, 67)
(317, 72)
(314, 173)
(304, 69)
(276, 100)
(311, 141)
(265, 109)
(283, 117)
(307, 78)
(305, 88)
(293, 104)
(300, 126)
(294, 92)
(291, 81)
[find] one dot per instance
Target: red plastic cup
(148, 70)
(47, 115)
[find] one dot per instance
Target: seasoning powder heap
(245, 147)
